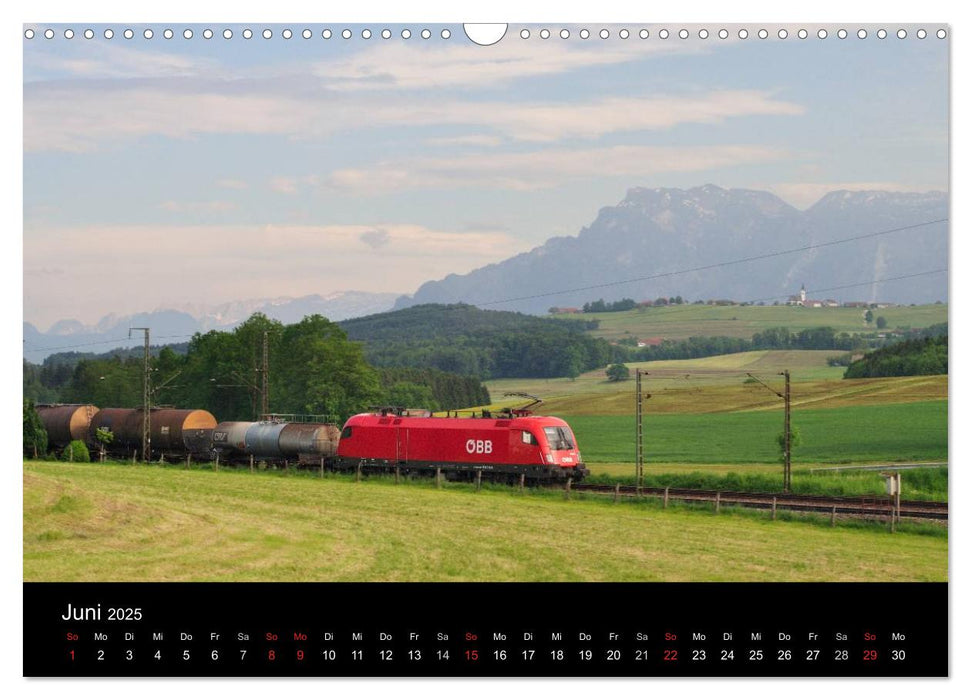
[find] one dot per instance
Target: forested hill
(466, 340)
(911, 357)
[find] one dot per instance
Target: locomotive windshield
(559, 438)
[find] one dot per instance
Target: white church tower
(802, 295)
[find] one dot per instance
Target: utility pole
(639, 451)
(787, 430)
(146, 398)
(265, 391)
(787, 476)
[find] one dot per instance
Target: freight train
(501, 446)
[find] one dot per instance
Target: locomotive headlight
(549, 458)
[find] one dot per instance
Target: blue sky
(230, 169)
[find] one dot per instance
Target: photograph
(485, 304)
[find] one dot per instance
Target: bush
(618, 373)
(76, 451)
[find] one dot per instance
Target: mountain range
(701, 243)
(677, 242)
(178, 324)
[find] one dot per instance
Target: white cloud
(77, 120)
(467, 140)
(221, 263)
(108, 60)
(546, 168)
(292, 185)
(804, 194)
(399, 65)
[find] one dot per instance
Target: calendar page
(486, 350)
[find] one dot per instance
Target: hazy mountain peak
(653, 234)
(840, 199)
(66, 327)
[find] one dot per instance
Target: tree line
(313, 369)
(921, 356)
(465, 340)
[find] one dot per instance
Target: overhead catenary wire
(654, 310)
(711, 266)
(660, 275)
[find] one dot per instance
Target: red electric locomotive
(541, 448)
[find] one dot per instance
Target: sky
(166, 172)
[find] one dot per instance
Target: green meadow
(118, 522)
(680, 322)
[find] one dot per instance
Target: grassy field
(718, 384)
(851, 434)
(929, 484)
(149, 523)
(679, 322)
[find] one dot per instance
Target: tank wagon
(503, 446)
(539, 447)
(173, 431)
(66, 422)
(305, 443)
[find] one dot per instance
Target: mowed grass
(680, 322)
(149, 523)
(720, 384)
(911, 432)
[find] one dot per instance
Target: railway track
(877, 507)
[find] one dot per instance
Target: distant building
(564, 310)
(801, 300)
(855, 305)
(798, 299)
(649, 342)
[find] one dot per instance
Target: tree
(881, 322)
(868, 316)
(104, 437)
(618, 372)
(35, 436)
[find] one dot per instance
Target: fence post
(321, 467)
(566, 492)
(832, 518)
(357, 476)
(251, 463)
(188, 461)
(718, 501)
(478, 480)
(773, 507)
(217, 461)
(438, 477)
(666, 496)
(133, 454)
(522, 482)
(70, 451)
(616, 492)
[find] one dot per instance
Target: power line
(712, 266)
(101, 342)
(655, 311)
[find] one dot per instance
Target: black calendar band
(495, 629)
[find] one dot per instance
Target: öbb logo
(481, 447)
